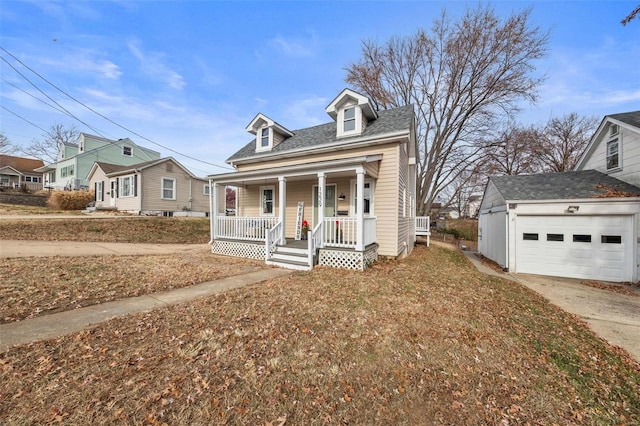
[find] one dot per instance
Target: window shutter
(135, 185)
(102, 192)
(95, 191)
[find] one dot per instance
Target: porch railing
(272, 239)
(343, 231)
(423, 227)
(315, 241)
(244, 228)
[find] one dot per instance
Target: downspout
(141, 192)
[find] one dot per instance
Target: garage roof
(559, 186)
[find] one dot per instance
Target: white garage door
(594, 247)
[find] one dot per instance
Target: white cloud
(305, 112)
(153, 64)
(297, 48)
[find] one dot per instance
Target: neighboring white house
(159, 187)
(352, 180)
(76, 159)
(16, 172)
(579, 224)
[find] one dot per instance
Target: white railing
(272, 239)
(370, 230)
(244, 228)
(423, 227)
(315, 242)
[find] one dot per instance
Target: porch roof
(341, 166)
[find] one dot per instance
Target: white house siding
(630, 156)
(405, 242)
(492, 226)
(99, 176)
(386, 194)
(130, 204)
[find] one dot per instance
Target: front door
(329, 202)
(113, 193)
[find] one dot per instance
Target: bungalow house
(579, 224)
(18, 171)
(159, 187)
(347, 185)
(76, 159)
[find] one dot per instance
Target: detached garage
(580, 224)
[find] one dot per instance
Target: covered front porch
(334, 199)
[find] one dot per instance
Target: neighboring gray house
(160, 187)
(579, 224)
(76, 159)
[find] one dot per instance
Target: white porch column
(213, 209)
(282, 197)
(360, 208)
(321, 189)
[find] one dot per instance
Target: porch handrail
(315, 241)
(244, 228)
(273, 237)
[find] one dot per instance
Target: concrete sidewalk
(30, 248)
(55, 325)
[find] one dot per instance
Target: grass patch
(166, 230)
(333, 347)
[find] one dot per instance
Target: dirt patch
(427, 337)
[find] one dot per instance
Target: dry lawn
(166, 230)
(37, 286)
(426, 340)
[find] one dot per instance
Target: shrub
(70, 200)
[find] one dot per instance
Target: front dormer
(268, 133)
(352, 112)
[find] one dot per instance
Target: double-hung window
(168, 189)
(349, 122)
(367, 195)
(267, 195)
(264, 137)
(125, 186)
(613, 154)
(206, 189)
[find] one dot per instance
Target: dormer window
(349, 121)
(127, 151)
(264, 138)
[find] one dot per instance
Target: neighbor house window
(267, 194)
(127, 151)
(168, 189)
(206, 189)
(66, 171)
(613, 159)
(127, 186)
(52, 177)
(349, 121)
(100, 191)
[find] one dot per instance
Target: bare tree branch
(630, 17)
(463, 79)
(48, 148)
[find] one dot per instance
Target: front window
(100, 191)
(367, 195)
(613, 159)
(349, 119)
(127, 151)
(267, 196)
(168, 189)
(52, 177)
(126, 187)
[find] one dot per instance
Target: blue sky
(191, 75)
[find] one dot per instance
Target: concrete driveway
(613, 316)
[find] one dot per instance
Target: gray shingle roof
(632, 118)
(109, 168)
(559, 186)
(388, 121)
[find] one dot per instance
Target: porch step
(290, 258)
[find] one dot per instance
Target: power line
(22, 118)
(32, 95)
(105, 117)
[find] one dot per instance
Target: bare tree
(563, 140)
(630, 17)
(48, 147)
(466, 184)
(6, 147)
(462, 78)
(513, 152)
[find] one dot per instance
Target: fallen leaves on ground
(424, 340)
(31, 287)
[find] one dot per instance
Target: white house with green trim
(76, 159)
